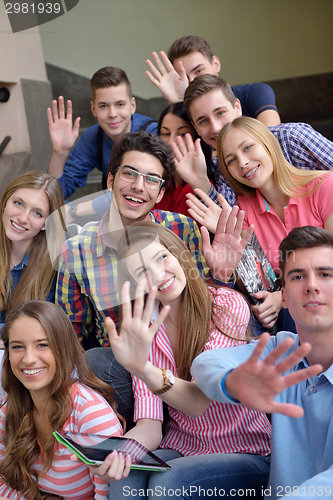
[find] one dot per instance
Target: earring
(43, 228)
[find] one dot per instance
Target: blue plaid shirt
(301, 145)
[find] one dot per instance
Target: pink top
(223, 428)
(313, 210)
(91, 414)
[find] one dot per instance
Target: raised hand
(224, 254)
(63, 133)
(170, 83)
(255, 383)
(191, 162)
(132, 346)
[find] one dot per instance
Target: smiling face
(210, 112)
(160, 268)
(247, 160)
(134, 200)
(172, 126)
(25, 215)
(113, 108)
(196, 64)
(31, 359)
(308, 290)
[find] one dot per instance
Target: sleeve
(308, 148)
(102, 204)
(193, 241)
(260, 97)
(69, 296)
(81, 161)
(152, 128)
(146, 404)
(320, 485)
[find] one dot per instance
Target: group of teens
(145, 281)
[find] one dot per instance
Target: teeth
(32, 372)
(20, 228)
(167, 284)
(313, 305)
(133, 199)
(251, 172)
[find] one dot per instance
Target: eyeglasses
(127, 174)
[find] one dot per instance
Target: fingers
(167, 61)
(151, 78)
(115, 467)
(125, 300)
(254, 358)
(291, 360)
(111, 329)
(181, 71)
(204, 197)
(205, 240)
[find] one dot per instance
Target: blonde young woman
(208, 445)
(275, 195)
(26, 270)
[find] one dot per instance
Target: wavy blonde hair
(20, 435)
(197, 312)
(38, 276)
(288, 178)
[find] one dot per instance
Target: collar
(328, 374)
(261, 204)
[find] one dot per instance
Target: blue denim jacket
(16, 273)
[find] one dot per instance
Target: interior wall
(256, 40)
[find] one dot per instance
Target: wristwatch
(168, 379)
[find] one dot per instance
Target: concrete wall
(256, 40)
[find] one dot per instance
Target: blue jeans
(105, 366)
(234, 475)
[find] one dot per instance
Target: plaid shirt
(87, 278)
(302, 146)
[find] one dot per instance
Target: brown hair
(302, 237)
(144, 143)
(20, 435)
(288, 178)
(37, 278)
(203, 84)
(197, 310)
(187, 44)
(109, 76)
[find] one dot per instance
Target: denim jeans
(104, 365)
(218, 475)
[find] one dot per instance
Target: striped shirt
(223, 428)
(87, 280)
(302, 146)
(91, 414)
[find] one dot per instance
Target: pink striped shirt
(91, 414)
(223, 428)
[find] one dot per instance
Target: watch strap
(166, 384)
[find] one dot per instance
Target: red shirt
(174, 199)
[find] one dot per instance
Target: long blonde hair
(288, 178)
(197, 311)
(20, 434)
(39, 274)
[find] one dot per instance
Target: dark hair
(109, 76)
(302, 237)
(203, 84)
(177, 109)
(144, 143)
(20, 436)
(187, 44)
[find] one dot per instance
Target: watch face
(170, 376)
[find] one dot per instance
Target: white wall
(255, 39)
